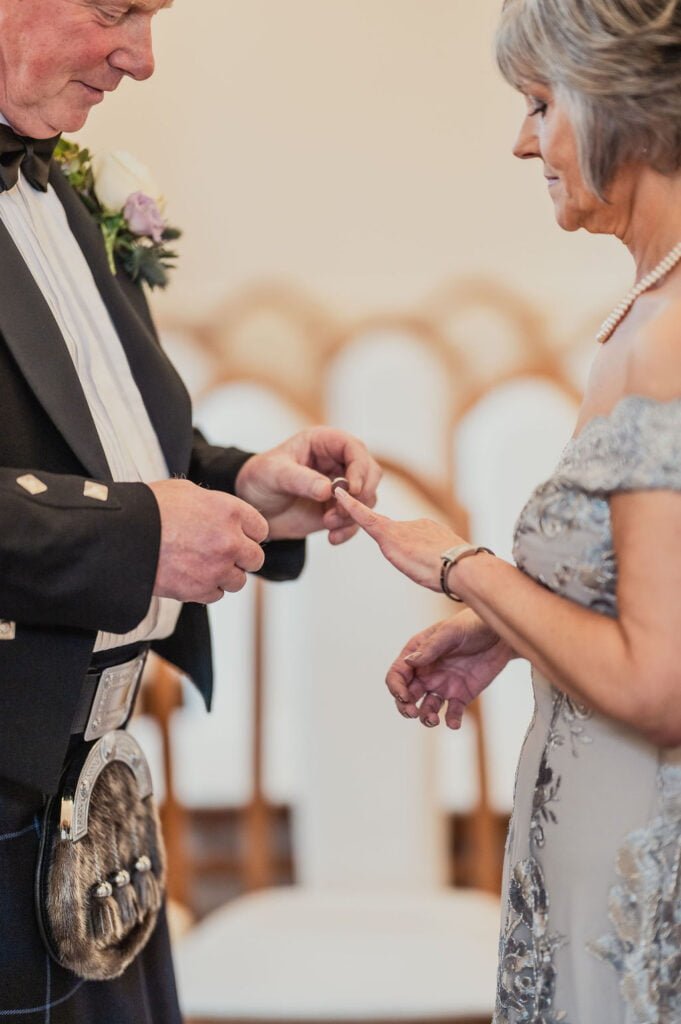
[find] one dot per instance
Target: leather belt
(107, 696)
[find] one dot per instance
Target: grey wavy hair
(617, 65)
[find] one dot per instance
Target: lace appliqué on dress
(563, 537)
(644, 945)
(527, 972)
(569, 713)
(527, 975)
(563, 540)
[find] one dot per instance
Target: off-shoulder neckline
(617, 412)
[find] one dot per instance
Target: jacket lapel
(32, 335)
(164, 394)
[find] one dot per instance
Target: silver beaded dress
(591, 930)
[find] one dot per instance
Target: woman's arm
(627, 668)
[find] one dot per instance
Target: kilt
(34, 989)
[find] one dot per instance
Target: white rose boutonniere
(126, 202)
(118, 175)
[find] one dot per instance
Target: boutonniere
(125, 202)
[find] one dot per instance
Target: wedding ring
(341, 482)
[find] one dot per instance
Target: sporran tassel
(105, 917)
(146, 886)
(126, 898)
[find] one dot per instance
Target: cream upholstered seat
(314, 955)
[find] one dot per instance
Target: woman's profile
(591, 929)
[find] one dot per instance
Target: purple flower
(143, 216)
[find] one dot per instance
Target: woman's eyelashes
(537, 107)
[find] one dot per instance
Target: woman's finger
(397, 680)
(416, 690)
(429, 712)
(409, 710)
(444, 639)
(372, 522)
(454, 713)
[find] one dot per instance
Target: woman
(592, 923)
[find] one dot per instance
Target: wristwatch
(450, 558)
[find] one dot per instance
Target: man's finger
(340, 536)
(253, 524)
(303, 482)
(367, 493)
(251, 557)
(234, 581)
(349, 453)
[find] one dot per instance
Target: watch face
(453, 553)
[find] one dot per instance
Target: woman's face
(547, 134)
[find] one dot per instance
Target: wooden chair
(290, 938)
(369, 932)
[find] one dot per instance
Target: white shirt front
(38, 226)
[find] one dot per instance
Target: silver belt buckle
(113, 697)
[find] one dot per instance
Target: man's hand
(449, 663)
(291, 484)
(209, 541)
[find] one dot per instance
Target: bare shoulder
(654, 365)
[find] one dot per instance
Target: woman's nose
(526, 146)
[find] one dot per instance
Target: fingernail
(430, 723)
(413, 657)
(319, 490)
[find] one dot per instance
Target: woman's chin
(567, 219)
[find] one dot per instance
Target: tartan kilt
(33, 988)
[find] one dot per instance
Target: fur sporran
(101, 870)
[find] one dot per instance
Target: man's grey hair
(616, 64)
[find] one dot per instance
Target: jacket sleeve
(75, 553)
(218, 468)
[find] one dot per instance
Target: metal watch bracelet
(450, 558)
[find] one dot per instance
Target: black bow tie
(31, 155)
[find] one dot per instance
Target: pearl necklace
(664, 267)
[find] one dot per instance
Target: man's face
(59, 57)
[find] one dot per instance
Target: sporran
(100, 877)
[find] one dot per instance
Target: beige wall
(360, 148)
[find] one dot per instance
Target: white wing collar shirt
(38, 226)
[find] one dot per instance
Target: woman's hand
(448, 663)
(412, 547)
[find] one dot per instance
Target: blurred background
(359, 247)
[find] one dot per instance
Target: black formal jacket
(71, 565)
